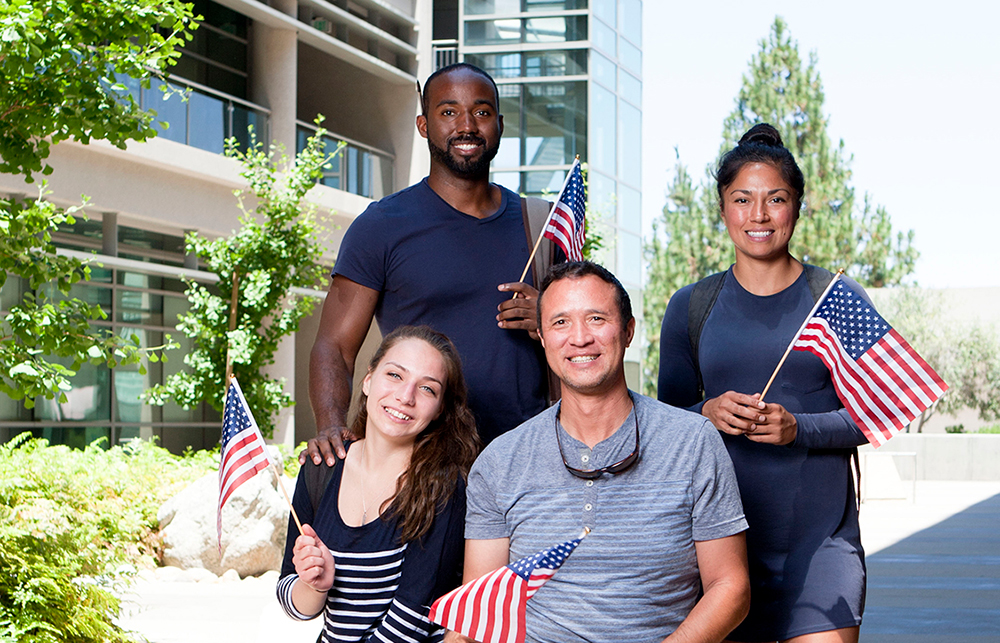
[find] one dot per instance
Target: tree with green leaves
(834, 230)
(60, 65)
(274, 251)
(965, 355)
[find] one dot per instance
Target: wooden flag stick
(801, 328)
(541, 235)
(233, 303)
(277, 478)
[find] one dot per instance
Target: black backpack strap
(317, 477)
(703, 297)
(818, 279)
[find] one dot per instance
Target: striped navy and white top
(382, 588)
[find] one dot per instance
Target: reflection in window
(600, 194)
(632, 20)
(532, 64)
(629, 209)
(602, 130)
(629, 251)
(604, 38)
(629, 141)
(603, 70)
(512, 30)
(605, 10)
(483, 7)
(631, 57)
(630, 88)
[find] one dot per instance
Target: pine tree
(833, 231)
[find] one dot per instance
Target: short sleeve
(363, 254)
(483, 518)
(717, 510)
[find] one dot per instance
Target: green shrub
(72, 525)
(955, 428)
(990, 428)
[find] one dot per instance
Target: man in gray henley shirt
(666, 559)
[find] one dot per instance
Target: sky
(913, 90)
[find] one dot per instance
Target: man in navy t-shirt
(442, 252)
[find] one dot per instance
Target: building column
(275, 71)
(284, 367)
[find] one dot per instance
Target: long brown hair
(442, 453)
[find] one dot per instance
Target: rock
(254, 526)
(230, 576)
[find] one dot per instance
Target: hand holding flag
(491, 608)
(881, 381)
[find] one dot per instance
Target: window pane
(629, 209)
(509, 154)
(544, 184)
(564, 29)
(554, 122)
(497, 65)
(629, 251)
(604, 38)
(630, 88)
(629, 142)
(208, 122)
(600, 195)
(630, 57)
(172, 111)
(603, 70)
(605, 10)
(492, 32)
(492, 6)
(602, 130)
(89, 399)
(535, 63)
(129, 383)
(632, 20)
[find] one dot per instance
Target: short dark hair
(761, 144)
(579, 269)
(424, 106)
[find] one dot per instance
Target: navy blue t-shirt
(434, 265)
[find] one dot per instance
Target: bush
(955, 428)
(72, 525)
(990, 428)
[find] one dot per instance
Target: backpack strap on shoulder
(818, 279)
(534, 212)
(703, 297)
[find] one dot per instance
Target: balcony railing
(358, 169)
(206, 119)
(445, 53)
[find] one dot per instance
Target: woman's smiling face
(760, 209)
(405, 390)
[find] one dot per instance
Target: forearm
(330, 378)
(832, 430)
(307, 600)
(724, 605)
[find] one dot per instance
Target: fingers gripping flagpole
(541, 234)
(812, 312)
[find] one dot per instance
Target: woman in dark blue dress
(793, 451)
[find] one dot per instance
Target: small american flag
(880, 379)
(566, 223)
(244, 453)
(490, 609)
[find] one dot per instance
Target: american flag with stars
(491, 608)
(882, 382)
(244, 453)
(566, 222)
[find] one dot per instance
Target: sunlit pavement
(933, 575)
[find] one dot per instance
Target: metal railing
(206, 119)
(445, 53)
(358, 168)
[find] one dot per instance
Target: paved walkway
(933, 575)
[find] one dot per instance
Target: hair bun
(762, 134)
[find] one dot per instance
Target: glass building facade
(570, 79)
